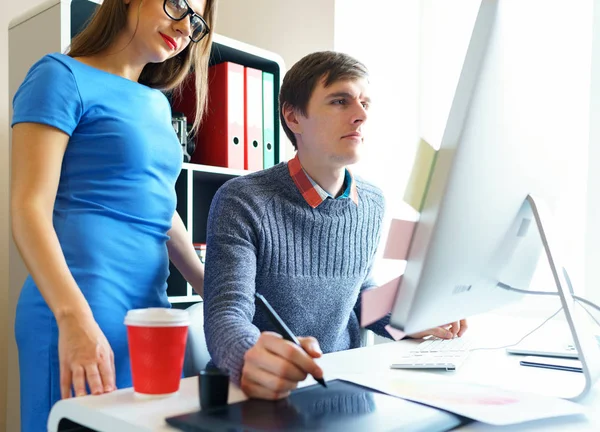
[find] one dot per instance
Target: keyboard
(435, 353)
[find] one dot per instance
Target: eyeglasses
(179, 9)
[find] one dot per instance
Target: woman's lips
(170, 41)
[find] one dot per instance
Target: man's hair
(300, 81)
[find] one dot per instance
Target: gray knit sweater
(310, 264)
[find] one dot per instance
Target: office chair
(196, 352)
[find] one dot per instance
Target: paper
(398, 240)
(416, 189)
(375, 303)
(481, 403)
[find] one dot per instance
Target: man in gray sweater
(302, 233)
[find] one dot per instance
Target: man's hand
(448, 331)
(273, 366)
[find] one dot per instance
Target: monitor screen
(476, 231)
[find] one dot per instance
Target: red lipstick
(170, 41)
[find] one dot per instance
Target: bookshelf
(197, 184)
(59, 21)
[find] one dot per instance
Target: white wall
(569, 79)
(446, 29)
(287, 27)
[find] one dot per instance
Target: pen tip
(322, 382)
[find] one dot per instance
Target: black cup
(214, 388)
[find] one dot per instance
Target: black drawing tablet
(341, 406)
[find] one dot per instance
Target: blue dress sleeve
(48, 95)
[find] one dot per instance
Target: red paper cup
(157, 338)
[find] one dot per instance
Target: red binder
(220, 139)
(253, 117)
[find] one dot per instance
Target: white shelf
(185, 299)
(209, 169)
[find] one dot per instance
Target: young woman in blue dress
(94, 164)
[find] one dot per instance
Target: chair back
(196, 352)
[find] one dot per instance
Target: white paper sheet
(486, 404)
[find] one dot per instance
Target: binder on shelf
(200, 249)
(220, 138)
(253, 117)
(268, 120)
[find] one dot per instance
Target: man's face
(332, 130)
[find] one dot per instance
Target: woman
(94, 164)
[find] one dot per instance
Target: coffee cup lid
(157, 317)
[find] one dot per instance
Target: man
(303, 234)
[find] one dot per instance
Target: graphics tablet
(341, 406)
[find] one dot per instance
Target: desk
(122, 411)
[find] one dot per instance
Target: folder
(253, 117)
(420, 176)
(268, 120)
(220, 138)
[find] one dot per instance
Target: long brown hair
(111, 17)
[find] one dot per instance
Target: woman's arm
(183, 255)
(37, 154)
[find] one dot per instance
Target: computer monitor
(479, 230)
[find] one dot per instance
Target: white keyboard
(434, 353)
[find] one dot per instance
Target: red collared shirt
(314, 194)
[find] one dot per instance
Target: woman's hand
(85, 358)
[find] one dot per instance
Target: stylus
(282, 328)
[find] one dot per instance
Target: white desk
(122, 411)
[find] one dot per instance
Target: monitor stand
(585, 342)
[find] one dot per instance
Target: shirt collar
(314, 194)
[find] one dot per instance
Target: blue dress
(115, 202)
